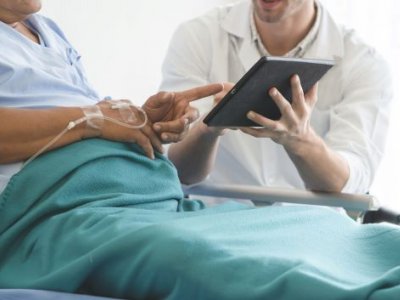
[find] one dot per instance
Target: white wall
(123, 43)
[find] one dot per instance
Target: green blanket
(100, 218)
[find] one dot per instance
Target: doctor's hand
(171, 113)
(293, 129)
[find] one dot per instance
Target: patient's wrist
(94, 122)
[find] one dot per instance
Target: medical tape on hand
(94, 120)
(125, 111)
(128, 114)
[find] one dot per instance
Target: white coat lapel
(248, 54)
(329, 42)
(237, 24)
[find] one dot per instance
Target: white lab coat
(351, 114)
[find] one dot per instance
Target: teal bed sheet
(99, 218)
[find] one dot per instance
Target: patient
(101, 210)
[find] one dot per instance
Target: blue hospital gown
(53, 69)
(45, 75)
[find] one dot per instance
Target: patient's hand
(145, 137)
(171, 112)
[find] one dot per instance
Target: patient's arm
(23, 132)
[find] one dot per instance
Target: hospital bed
(365, 208)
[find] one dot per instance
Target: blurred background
(123, 43)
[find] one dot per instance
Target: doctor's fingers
(312, 96)
(200, 92)
(302, 103)
(264, 122)
(298, 99)
(261, 132)
(284, 106)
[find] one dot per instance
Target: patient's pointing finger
(202, 91)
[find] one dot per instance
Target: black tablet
(251, 91)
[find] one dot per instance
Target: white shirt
(351, 114)
(300, 49)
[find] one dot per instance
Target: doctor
(330, 139)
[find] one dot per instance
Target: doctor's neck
(283, 35)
